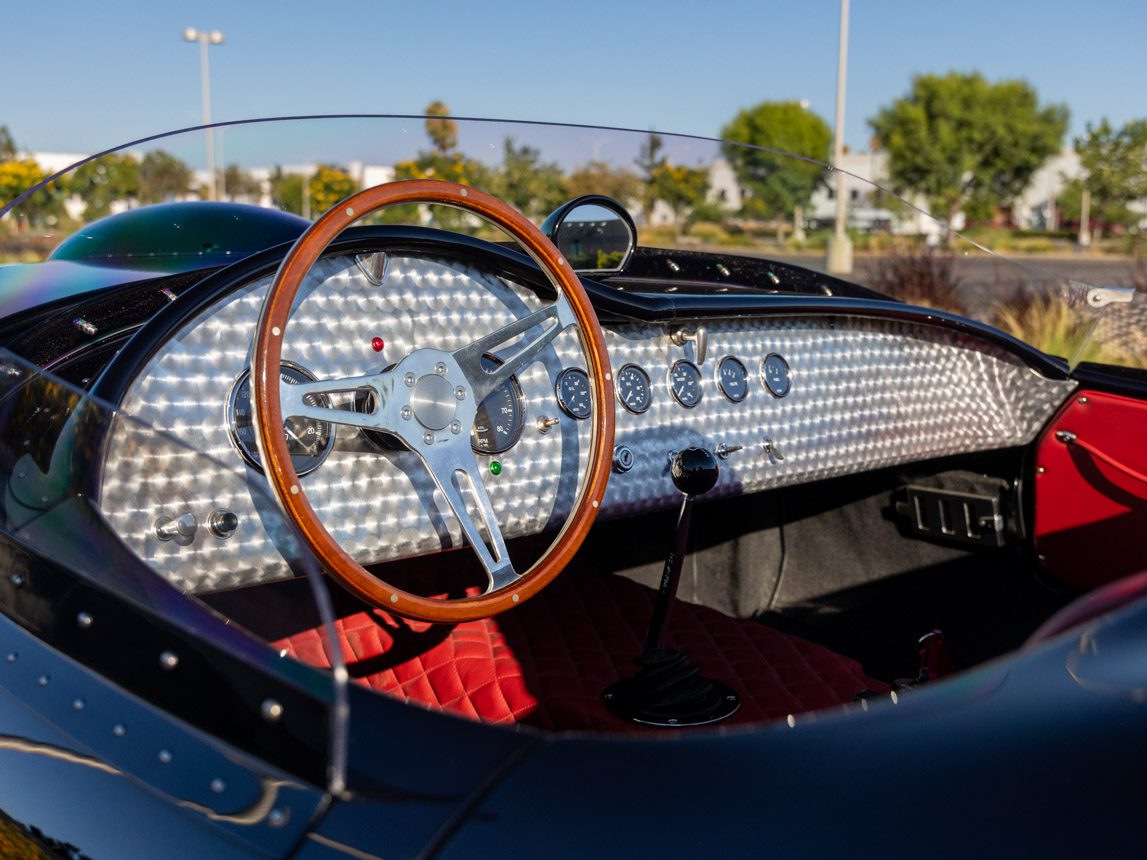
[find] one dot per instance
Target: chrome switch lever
(771, 449)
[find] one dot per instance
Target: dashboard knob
(694, 471)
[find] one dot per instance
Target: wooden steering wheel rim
(268, 415)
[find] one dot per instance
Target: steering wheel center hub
(433, 401)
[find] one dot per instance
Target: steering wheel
(428, 400)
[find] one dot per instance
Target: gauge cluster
(501, 417)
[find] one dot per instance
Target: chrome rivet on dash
(85, 620)
(428, 438)
(119, 730)
(168, 660)
(405, 413)
(17, 580)
(11, 657)
(44, 680)
(78, 704)
(409, 380)
(460, 393)
(271, 710)
(455, 427)
(440, 368)
(1040, 470)
(218, 786)
(165, 757)
(1083, 401)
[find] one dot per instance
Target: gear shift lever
(668, 689)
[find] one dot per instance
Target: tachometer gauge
(633, 391)
(308, 440)
(733, 379)
(572, 392)
(776, 374)
(498, 424)
(685, 383)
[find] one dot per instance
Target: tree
(600, 177)
(1116, 164)
(650, 161)
(965, 143)
(162, 176)
(238, 183)
(526, 182)
(100, 183)
(326, 186)
(682, 188)
(7, 145)
(44, 207)
(442, 132)
(776, 181)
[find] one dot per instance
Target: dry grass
(921, 277)
(1049, 324)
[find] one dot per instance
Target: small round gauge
(308, 440)
(501, 416)
(685, 383)
(776, 374)
(633, 390)
(733, 379)
(572, 391)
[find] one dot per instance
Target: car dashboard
(782, 398)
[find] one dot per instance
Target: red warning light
(377, 344)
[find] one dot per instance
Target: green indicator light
(495, 467)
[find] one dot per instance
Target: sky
(85, 76)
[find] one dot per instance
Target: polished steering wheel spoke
(458, 476)
(300, 400)
(484, 379)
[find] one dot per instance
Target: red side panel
(1091, 505)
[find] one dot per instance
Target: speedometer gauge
(498, 424)
(685, 383)
(633, 391)
(308, 440)
(572, 392)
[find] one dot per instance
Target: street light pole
(839, 260)
(204, 38)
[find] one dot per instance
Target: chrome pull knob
(180, 529)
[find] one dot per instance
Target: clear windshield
(146, 554)
(686, 194)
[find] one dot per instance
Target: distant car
(238, 450)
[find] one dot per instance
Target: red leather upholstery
(1090, 516)
(546, 663)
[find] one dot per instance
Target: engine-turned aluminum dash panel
(863, 394)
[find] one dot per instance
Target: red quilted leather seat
(546, 663)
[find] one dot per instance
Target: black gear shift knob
(694, 471)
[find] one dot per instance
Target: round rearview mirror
(594, 233)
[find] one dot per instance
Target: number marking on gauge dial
(776, 375)
(633, 389)
(733, 379)
(308, 440)
(685, 383)
(573, 394)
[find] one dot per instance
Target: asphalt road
(984, 272)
